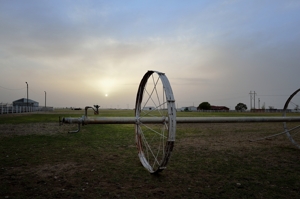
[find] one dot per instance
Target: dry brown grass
(35, 129)
(41, 160)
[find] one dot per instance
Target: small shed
(189, 108)
(23, 102)
(149, 108)
(219, 108)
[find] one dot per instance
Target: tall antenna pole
(254, 99)
(27, 95)
(45, 99)
(250, 100)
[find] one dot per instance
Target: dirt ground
(91, 178)
(227, 135)
(231, 135)
(35, 128)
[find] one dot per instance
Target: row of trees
(239, 107)
(207, 106)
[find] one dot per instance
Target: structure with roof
(219, 108)
(23, 102)
(188, 108)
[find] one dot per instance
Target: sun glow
(106, 86)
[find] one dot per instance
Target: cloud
(208, 50)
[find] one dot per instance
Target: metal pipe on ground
(152, 120)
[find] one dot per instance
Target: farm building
(149, 108)
(23, 102)
(189, 108)
(219, 108)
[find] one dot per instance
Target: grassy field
(39, 159)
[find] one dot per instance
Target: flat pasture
(40, 159)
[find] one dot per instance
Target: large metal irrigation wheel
(155, 141)
(292, 129)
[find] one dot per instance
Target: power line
(274, 95)
(229, 98)
(12, 88)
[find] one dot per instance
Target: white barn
(188, 108)
(149, 108)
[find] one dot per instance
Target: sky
(82, 52)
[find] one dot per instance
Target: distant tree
(241, 107)
(204, 106)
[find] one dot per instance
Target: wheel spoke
(157, 96)
(155, 103)
(156, 108)
(149, 128)
(150, 95)
(148, 147)
(294, 130)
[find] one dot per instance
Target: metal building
(23, 102)
(149, 108)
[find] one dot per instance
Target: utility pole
(45, 99)
(254, 99)
(27, 95)
(258, 103)
(250, 99)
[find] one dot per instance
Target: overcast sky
(214, 51)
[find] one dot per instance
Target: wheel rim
(292, 130)
(155, 141)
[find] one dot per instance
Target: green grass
(208, 161)
(225, 114)
(53, 116)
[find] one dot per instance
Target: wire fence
(10, 108)
(252, 110)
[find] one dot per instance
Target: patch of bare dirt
(56, 170)
(231, 135)
(35, 128)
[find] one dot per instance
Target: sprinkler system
(155, 121)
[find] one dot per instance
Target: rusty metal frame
(95, 109)
(155, 142)
(285, 126)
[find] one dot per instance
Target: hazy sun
(106, 95)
